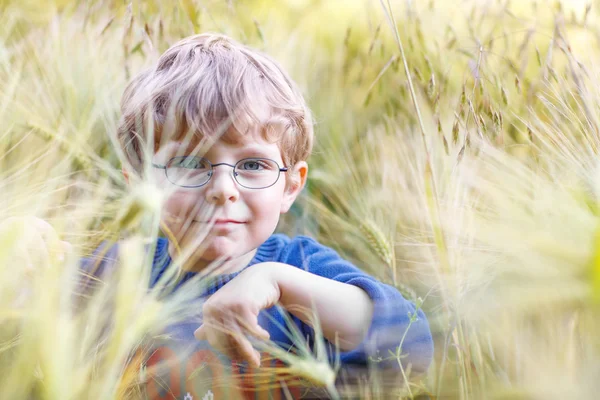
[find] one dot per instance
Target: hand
(36, 244)
(231, 313)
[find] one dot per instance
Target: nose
(222, 186)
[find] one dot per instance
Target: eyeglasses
(193, 171)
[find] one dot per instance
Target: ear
(125, 174)
(294, 184)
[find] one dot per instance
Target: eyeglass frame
(212, 169)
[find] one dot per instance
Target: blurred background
(456, 158)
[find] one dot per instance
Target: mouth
(227, 221)
(223, 222)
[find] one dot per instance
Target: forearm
(341, 308)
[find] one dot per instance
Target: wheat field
(456, 158)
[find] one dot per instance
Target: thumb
(67, 248)
(256, 359)
(200, 333)
(261, 333)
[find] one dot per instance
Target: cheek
(266, 207)
(181, 206)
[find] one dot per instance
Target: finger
(47, 230)
(250, 323)
(28, 264)
(247, 352)
(39, 250)
(242, 346)
(67, 248)
(200, 333)
(210, 323)
(231, 336)
(54, 246)
(216, 338)
(48, 233)
(223, 343)
(260, 333)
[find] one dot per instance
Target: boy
(231, 134)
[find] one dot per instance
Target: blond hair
(209, 84)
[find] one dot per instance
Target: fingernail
(257, 359)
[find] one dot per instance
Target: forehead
(242, 145)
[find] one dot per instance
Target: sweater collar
(162, 260)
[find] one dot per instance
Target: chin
(220, 247)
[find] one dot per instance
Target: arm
(342, 309)
(347, 301)
(396, 323)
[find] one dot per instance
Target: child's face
(245, 218)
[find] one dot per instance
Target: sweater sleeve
(397, 322)
(98, 264)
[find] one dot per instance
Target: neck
(213, 267)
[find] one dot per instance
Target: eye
(253, 165)
(189, 163)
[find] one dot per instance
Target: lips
(221, 221)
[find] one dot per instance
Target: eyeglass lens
(191, 171)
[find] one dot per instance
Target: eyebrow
(256, 149)
(174, 149)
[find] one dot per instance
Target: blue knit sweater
(391, 319)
